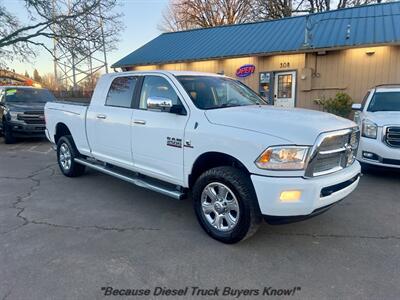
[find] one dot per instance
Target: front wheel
(66, 154)
(226, 204)
(8, 134)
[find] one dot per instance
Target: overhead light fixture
(370, 52)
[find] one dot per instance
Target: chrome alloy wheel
(220, 206)
(65, 157)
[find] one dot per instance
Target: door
(285, 89)
(158, 134)
(109, 124)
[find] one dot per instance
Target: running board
(147, 183)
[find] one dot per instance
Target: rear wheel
(226, 204)
(66, 154)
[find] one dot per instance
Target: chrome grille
(32, 117)
(327, 162)
(332, 152)
(333, 142)
(392, 137)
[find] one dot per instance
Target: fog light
(290, 196)
(370, 155)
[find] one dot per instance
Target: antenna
(307, 32)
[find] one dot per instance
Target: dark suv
(22, 111)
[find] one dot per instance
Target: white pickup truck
(211, 137)
(379, 120)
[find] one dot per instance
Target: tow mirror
(159, 103)
(356, 106)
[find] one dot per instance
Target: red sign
(245, 70)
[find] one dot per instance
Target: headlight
(13, 115)
(357, 117)
(283, 158)
(369, 129)
(355, 138)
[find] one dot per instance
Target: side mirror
(159, 103)
(356, 106)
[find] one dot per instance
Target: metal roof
(350, 27)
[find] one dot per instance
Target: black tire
(8, 134)
(72, 169)
(366, 168)
(249, 217)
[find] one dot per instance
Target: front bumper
(31, 130)
(383, 155)
(316, 193)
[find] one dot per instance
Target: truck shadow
(26, 140)
(382, 172)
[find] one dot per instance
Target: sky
(141, 19)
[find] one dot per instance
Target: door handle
(139, 122)
(100, 116)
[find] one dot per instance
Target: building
(291, 61)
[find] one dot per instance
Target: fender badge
(174, 142)
(188, 144)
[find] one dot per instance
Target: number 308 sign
(245, 70)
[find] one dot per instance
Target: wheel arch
(60, 131)
(209, 160)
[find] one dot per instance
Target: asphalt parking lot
(63, 238)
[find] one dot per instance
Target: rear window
(121, 92)
(385, 101)
(29, 95)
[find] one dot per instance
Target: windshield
(29, 95)
(209, 92)
(386, 101)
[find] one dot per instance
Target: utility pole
(73, 68)
(55, 50)
(103, 39)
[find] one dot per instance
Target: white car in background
(379, 120)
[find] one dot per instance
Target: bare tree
(50, 82)
(65, 21)
(36, 76)
(275, 9)
(88, 85)
(188, 14)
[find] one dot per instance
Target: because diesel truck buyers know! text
(211, 136)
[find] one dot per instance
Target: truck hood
(25, 106)
(297, 126)
(382, 118)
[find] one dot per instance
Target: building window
(285, 86)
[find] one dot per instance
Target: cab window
(158, 88)
(121, 92)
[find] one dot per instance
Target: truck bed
(73, 116)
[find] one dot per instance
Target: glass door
(285, 89)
